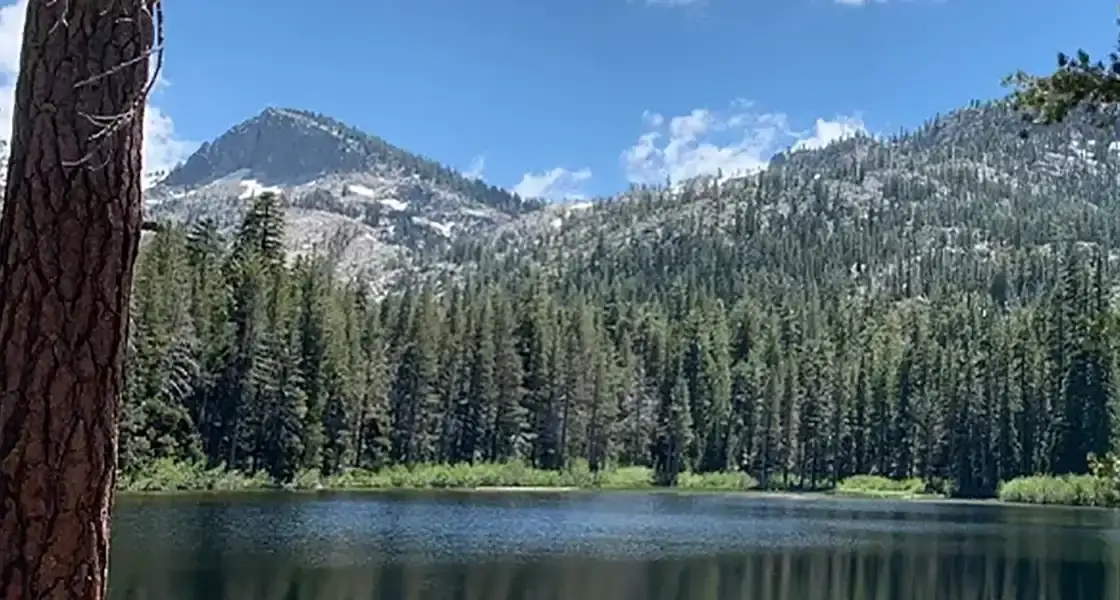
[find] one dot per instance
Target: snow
(442, 228)
(361, 190)
(251, 188)
(394, 204)
(477, 212)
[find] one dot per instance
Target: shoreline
(807, 496)
(168, 479)
(514, 489)
(501, 489)
(497, 491)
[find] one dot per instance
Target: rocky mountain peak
(280, 147)
(375, 204)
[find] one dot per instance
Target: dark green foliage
(937, 308)
(1078, 83)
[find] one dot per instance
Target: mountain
(961, 198)
(935, 305)
(956, 193)
(375, 204)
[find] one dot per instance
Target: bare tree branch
(111, 124)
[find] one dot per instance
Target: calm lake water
(627, 546)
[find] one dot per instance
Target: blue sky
(582, 97)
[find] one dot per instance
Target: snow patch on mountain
(251, 188)
(393, 204)
(371, 204)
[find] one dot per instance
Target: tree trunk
(68, 239)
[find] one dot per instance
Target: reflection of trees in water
(1030, 566)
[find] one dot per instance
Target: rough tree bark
(68, 239)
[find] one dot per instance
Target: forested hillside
(937, 305)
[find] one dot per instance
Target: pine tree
(69, 236)
(674, 429)
(511, 424)
(480, 407)
(415, 405)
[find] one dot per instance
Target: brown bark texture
(69, 236)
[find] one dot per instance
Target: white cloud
(163, 149)
(557, 184)
(476, 168)
(825, 132)
(733, 141)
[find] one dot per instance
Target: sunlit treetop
(1078, 83)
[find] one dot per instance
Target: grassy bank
(169, 476)
(518, 475)
(1067, 490)
(874, 486)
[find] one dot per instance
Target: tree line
(241, 357)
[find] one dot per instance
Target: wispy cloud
(163, 147)
(477, 168)
(557, 184)
(734, 141)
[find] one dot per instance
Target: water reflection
(591, 548)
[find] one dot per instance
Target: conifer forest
(885, 307)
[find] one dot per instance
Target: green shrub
(878, 486)
(307, 479)
(780, 482)
(169, 475)
(728, 481)
(458, 476)
(518, 474)
(1069, 490)
(626, 478)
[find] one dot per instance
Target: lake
(610, 546)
